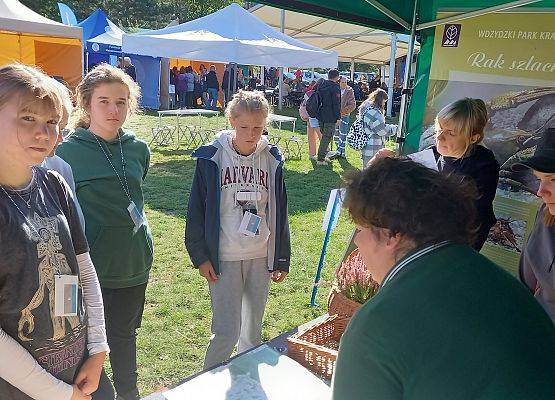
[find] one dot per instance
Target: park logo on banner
(451, 34)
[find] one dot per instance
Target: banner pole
(323, 253)
(406, 94)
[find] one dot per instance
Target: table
(279, 344)
(281, 119)
(193, 134)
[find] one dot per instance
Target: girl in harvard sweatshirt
(237, 230)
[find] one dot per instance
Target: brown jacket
(348, 103)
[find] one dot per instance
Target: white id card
(248, 196)
(249, 224)
(65, 290)
(136, 216)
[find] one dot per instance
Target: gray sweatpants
(238, 301)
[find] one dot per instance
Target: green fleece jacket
(450, 325)
(122, 258)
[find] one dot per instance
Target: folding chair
(162, 135)
(293, 148)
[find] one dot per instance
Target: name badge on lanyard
(136, 216)
(65, 298)
(249, 224)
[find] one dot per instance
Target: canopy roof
(351, 42)
(231, 34)
(15, 17)
(392, 15)
(101, 34)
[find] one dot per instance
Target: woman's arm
(96, 330)
(23, 372)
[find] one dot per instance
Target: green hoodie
(121, 258)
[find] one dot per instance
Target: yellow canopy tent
(30, 38)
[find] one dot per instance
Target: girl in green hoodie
(109, 166)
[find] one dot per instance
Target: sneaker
(324, 162)
(336, 155)
(313, 158)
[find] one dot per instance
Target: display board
(507, 60)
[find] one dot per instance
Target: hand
(78, 394)
(89, 374)
(207, 270)
(382, 153)
(278, 276)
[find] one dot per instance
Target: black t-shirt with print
(34, 248)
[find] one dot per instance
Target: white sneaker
(313, 158)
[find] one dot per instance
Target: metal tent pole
(280, 84)
(405, 99)
(391, 74)
(352, 69)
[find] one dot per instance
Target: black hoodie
(482, 167)
(330, 96)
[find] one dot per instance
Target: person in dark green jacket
(446, 322)
(109, 166)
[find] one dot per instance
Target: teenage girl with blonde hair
(52, 335)
(109, 166)
(459, 131)
(237, 231)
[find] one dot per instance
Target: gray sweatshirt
(537, 264)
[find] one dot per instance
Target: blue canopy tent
(103, 39)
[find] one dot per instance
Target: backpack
(314, 104)
(302, 109)
(358, 137)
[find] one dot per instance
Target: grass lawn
(176, 322)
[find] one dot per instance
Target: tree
(150, 14)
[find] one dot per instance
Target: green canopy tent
(413, 17)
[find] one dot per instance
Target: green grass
(176, 322)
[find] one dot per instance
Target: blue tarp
(148, 78)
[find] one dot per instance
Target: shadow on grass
(167, 186)
(169, 151)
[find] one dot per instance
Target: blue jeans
(342, 139)
(212, 98)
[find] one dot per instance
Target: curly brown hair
(409, 199)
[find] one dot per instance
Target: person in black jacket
(330, 112)
(212, 86)
(459, 130)
(228, 86)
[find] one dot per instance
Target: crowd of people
(77, 250)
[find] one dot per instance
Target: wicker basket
(339, 304)
(314, 349)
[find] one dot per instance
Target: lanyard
(33, 227)
(125, 187)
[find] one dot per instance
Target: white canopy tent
(29, 38)
(353, 43)
(16, 17)
(231, 34)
